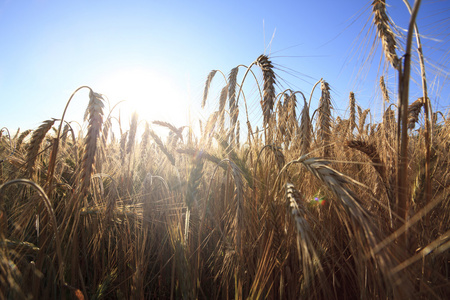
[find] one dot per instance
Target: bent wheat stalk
(402, 174)
(51, 213)
(52, 162)
(427, 109)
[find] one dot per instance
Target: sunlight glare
(153, 95)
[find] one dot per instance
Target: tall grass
(311, 207)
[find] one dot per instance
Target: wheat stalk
(427, 103)
(64, 134)
(403, 196)
(52, 219)
(238, 134)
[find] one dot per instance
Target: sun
(151, 93)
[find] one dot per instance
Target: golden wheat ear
(306, 241)
(162, 147)
(385, 33)
(384, 90)
(94, 112)
(207, 85)
(177, 131)
(132, 135)
(268, 100)
(414, 111)
(35, 144)
(305, 130)
(232, 103)
(352, 119)
(324, 118)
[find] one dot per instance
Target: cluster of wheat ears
(309, 207)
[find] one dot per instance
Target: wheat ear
(222, 102)
(33, 147)
(177, 131)
(207, 85)
(233, 105)
(22, 136)
(305, 240)
(358, 221)
(305, 130)
(352, 112)
(324, 118)
(123, 143)
(362, 119)
(290, 118)
(132, 134)
(371, 151)
(144, 139)
(203, 154)
(267, 102)
(385, 33)
(95, 113)
(414, 111)
(162, 147)
(384, 90)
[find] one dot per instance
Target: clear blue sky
(156, 54)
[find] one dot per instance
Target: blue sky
(156, 54)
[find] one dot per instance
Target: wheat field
(306, 205)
